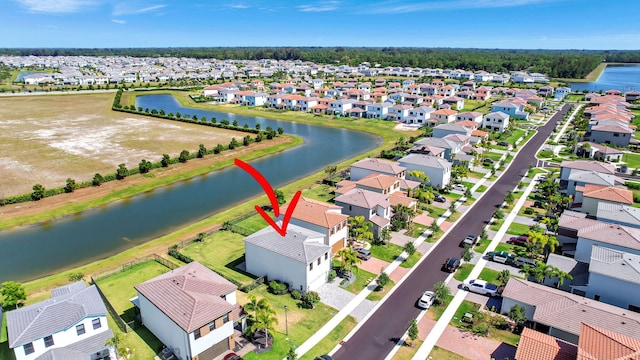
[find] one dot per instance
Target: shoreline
(594, 75)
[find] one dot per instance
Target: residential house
(444, 116)
(437, 169)
(456, 101)
(589, 196)
(321, 217)
(72, 324)
(630, 96)
(451, 146)
(300, 258)
(191, 310)
(561, 314)
(546, 91)
(317, 83)
(561, 93)
(510, 108)
(496, 121)
(341, 106)
(598, 152)
(617, 134)
(419, 115)
(470, 116)
(368, 166)
(443, 130)
(581, 172)
(399, 112)
(373, 206)
(618, 214)
(255, 99)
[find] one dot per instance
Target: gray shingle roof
(58, 313)
(81, 350)
(298, 244)
(618, 213)
(383, 166)
(615, 264)
(592, 177)
(190, 295)
(589, 165)
(426, 160)
(497, 114)
(441, 143)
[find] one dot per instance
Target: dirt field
(47, 139)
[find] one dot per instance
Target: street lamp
(286, 323)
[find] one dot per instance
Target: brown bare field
(47, 139)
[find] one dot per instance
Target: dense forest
(554, 63)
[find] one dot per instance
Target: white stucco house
(495, 121)
(437, 169)
(72, 324)
(300, 258)
(373, 206)
(191, 310)
(589, 196)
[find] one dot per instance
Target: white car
(460, 187)
(426, 300)
(480, 287)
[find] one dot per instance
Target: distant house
(300, 258)
(470, 116)
(451, 146)
(341, 106)
(598, 152)
(419, 115)
(443, 130)
(255, 99)
(378, 110)
(324, 218)
(610, 133)
(562, 92)
(437, 169)
(191, 310)
(72, 324)
(399, 112)
(581, 172)
(369, 166)
(633, 95)
(510, 108)
(496, 121)
(444, 116)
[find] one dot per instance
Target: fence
(121, 324)
(132, 263)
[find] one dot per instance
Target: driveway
(331, 294)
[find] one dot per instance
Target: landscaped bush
(296, 294)
(332, 275)
(178, 255)
(499, 322)
(309, 300)
(529, 210)
(481, 329)
(632, 185)
(278, 288)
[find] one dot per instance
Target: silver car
(426, 300)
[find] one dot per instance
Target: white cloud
(393, 7)
(56, 6)
(126, 9)
(118, 21)
(239, 6)
(321, 7)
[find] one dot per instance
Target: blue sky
(523, 24)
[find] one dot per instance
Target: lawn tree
(331, 171)
(71, 186)
(360, 229)
(383, 239)
(291, 354)
(122, 172)
(279, 196)
(503, 278)
(184, 156)
(13, 294)
(383, 279)
(419, 176)
(412, 331)
(458, 173)
(509, 198)
(144, 166)
(202, 151)
(264, 321)
(97, 179)
(434, 227)
(348, 258)
(518, 314)
(467, 253)
(441, 292)
(38, 192)
(402, 217)
(410, 247)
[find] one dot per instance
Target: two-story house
(582, 172)
(72, 324)
(470, 116)
(495, 121)
(589, 196)
(374, 207)
(510, 108)
(369, 166)
(191, 310)
(437, 169)
(419, 115)
(444, 116)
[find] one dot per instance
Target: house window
(634, 308)
(596, 297)
(319, 260)
(48, 341)
(212, 325)
(96, 323)
(28, 348)
(80, 329)
(310, 266)
(616, 134)
(225, 318)
(196, 334)
(326, 256)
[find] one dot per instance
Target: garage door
(214, 351)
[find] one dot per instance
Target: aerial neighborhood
(558, 254)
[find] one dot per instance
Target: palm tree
(348, 258)
(503, 278)
(256, 306)
(560, 275)
(264, 322)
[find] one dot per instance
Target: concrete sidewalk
(427, 346)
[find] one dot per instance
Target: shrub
(309, 300)
(529, 210)
(383, 279)
(480, 329)
(499, 214)
(499, 322)
(76, 276)
(332, 275)
(178, 255)
(632, 185)
(296, 294)
(277, 288)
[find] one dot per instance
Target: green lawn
(463, 272)
(632, 160)
(407, 351)
(5, 352)
(443, 354)
(321, 193)
(254, 222)
(119, 288)
(363, 278)
(411, 260)
(378, 293)
(481, 189)
(493, 155)
(221, 252)
(332, 339)
(575, 97)
(435, 212)
(482, 245)
(387, 252)
(517, 229)
(489, 275)
(435, 311)
(464, 308)
(416, 230)
(517, 134)
(545, 154)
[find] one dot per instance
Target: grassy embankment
(37, 289)
(591, 77)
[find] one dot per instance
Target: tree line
(555, 63)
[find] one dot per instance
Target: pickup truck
(480, 287)
(470, 240)
(502, 257)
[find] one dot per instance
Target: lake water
(619, 77)
(39, 250)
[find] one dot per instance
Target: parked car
(480, 287)
(451, 265)
(323, 357)
(503, 143)
(503, 257)
(470, 240)
(521, 261)
(518, 240)
(232, 356)
(426, 300)
(460, 187)
(363, 254)
(552, 216)
(439, 198)
(488, 161)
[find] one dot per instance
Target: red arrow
(266, 187)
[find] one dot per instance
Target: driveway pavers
(333, 295)
(373, 265)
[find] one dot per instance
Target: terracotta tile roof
(446, 112)
(534, 345)
(378, 181)
(317, 212)
(596, 343)
(479, 133)
(190, 295)
(399, 198)
(609, 193)
(566, 311)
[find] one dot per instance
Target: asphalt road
(377, 336)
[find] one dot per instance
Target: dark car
(363, 254)
(323, 357)
(521, 261)
(488, 161)
(439, 198)
(451, 265)
(518, 240)
(503, 143)
(232, 356)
